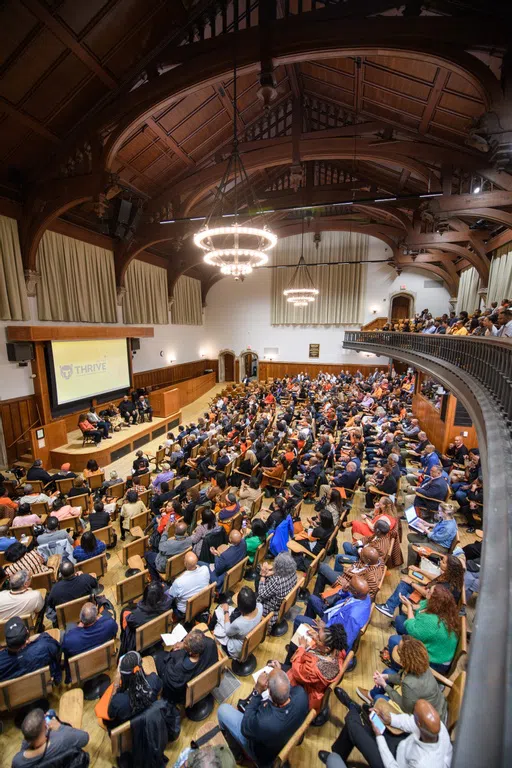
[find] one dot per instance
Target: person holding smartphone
(46, 741)
(423, 743)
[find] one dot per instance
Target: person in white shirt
(192, 580)
(20, 599)
(428, 744)
(490, 328)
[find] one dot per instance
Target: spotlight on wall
(477, 190)
(171, 360)
(374, 310)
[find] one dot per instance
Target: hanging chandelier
(301, 291)
(237, 248)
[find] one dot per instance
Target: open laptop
(414, 521)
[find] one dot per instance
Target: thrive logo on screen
(83, 369)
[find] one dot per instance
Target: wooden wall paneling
(165, 401)
(441, 433)
(55, 434)
(18, 415)
(277, 369)
(41, 388)
(172, 374)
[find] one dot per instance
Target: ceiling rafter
(59, 29)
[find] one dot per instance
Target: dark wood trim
(77, 332)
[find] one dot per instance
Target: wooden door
(229, 366)
(400, 308)
(248, 364)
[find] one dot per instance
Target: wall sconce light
(171, 360)
(374, 310)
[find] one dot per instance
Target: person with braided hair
(133, 691)
(317, 661)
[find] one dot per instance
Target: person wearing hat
(133, 690)
(64, 473)
(47, 742)
(24, 655)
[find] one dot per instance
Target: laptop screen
(410, 514)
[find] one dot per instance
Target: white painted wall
(237, 316)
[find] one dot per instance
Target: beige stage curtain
(145, 300)
(187, 307)
(78, 282)
(500, 277)
(467, 297)
(340, 301)
(13, 293)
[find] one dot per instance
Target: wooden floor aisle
(317, 738)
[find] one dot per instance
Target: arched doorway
(226, 365)
(249, 364)
(401, 306)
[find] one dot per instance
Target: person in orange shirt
(87, 428)
(10, 506)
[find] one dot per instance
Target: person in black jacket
(266, 726)
(127, 410)
(100, 518)
(36, 472)
(187, 660)
(154, 602)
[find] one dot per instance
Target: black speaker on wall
(20, 351)
(135, 344)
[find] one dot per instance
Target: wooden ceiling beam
(61, 32)
(169, 142)
(24, 119)
(436, 91)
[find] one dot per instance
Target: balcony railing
(479, 372)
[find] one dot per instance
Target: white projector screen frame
(83, 370)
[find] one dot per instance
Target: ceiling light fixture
(236, 249)
(301, 291)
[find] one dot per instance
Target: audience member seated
(92, 468)
(64, 473)
(276, 580)
(317, 661)
(52, 533)
(194, 578)
(133, 691)
(154, 602)
(37, 472)
(133, 506)
(380, 539)
(48, 742)
(266, 725)
(24, 655)
(24, 515)
(8, 505)
(127, 410)
(165, 475)
(233, 554)
(370, 567)
(272, 476)
(5, 539)
(351, 608)
(79, 488)
(18, 558)
(140, 464)
(71, 585)
(93, 629)
(424, 742)
(383, 509)
(227, 512)
(415, 679)
(438, 536)
(157, 561)
(255, 536)
(384, 482)
(160, 499)
(183, 663)
(64, 511)
(99, 518)
(435, 621)
(451, 577)
(435, 487)
(233, 624)
(20, 599)
(207, 524)
(89, 547)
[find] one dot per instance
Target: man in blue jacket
(92, 630)
(24, 655)
(435, 487)
(350, 608)
(236, 551)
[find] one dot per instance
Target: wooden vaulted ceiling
(376, 121)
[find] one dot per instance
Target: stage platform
(128, 440)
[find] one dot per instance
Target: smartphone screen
(377, 722)
(418, 575)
